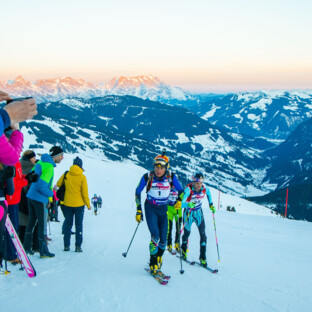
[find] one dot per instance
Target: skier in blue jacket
(157, 183)
(194, 194)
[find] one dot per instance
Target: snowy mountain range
(269, 116)
(233, 141)
(291, 168)
(145, 87)
(272, 115)
(125, 127)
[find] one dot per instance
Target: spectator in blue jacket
(38, 198)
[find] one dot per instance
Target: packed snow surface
(265, 260)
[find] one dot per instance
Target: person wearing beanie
(55, 152)
(75, 199)
(38, 198)
(78, 162)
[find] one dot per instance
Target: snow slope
(265, 260)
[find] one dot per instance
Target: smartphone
(18, 99)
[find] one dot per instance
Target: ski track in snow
(265, 260)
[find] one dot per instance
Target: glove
(50, 200)
(32, 177)
(178, 205)
(212, 208)
(191, 205)
(139, 214)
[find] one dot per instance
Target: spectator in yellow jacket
(75, 199)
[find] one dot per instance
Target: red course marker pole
(286, 203)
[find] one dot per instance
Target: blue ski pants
(157, 222)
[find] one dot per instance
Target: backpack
(169, 175)
(6, 173)
(60, 193)
(192, 192)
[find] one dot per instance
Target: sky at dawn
(199, 45)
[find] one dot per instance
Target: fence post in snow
(286, 203)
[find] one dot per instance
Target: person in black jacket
(6, 188)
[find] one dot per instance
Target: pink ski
(30, 270)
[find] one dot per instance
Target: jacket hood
(26, 164)
(75, 170)
(48, 159)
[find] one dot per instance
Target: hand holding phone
(21, 109)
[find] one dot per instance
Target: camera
(18, 99)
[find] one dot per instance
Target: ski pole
(214, 223)
(181, 271)
(125, 253)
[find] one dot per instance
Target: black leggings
(3, 212)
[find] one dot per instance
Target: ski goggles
(198, 179)
(160, 166)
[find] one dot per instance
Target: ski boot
(153, 264)
(169, 247)
(184, 251)
(66, 248)
(202, 256)
(159, 254)
(203, 262)
(177, 247)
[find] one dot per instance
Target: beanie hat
(78, 162)
(31, 155)
(55, 151)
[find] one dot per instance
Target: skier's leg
(200, 222)
(163, 230)
(188, 220)
(170, 219)
(151, 220)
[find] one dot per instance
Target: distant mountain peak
(136, 81)
(20, 81)
(53, 89)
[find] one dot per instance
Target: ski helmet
(161, 160)
(198, 177)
